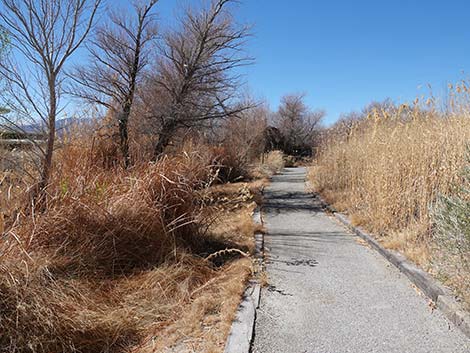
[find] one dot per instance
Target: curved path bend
(328, 293)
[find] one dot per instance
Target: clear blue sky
(345, 53)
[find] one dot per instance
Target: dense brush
(115, 254)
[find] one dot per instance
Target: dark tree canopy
(297, 124)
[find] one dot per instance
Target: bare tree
(297, 123)
(119, 53)
(246, 133)
(196, 83)
(44, 34)
(380, 108)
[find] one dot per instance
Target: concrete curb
(434, 290)
(242, 330)
(241, 333)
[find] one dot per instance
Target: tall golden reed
(390, 173)
(388, 170)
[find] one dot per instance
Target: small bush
(453, 223)
(290, 161)
(274, 161)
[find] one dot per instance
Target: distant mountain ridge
(62, 125)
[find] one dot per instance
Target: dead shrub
(269, 164)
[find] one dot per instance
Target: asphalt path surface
(329, 293)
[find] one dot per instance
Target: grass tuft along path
(328, 293)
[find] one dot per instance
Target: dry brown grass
(205, 326)
(271, 163)
(120, 261)
(388, 171)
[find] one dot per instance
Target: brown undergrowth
(205, 326)
(125, 260)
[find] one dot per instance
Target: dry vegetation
(131, 231)
(126, 260)
(271, 163)
(389, 169)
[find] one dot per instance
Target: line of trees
(293, 128)
(182, 78)
(167, 82)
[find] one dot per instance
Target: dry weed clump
(388, 170)
(271, 163)
(119, 256)
(231, 165)
(127, 220)
(44, 312)
(226, 164)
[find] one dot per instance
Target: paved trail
(330, 294)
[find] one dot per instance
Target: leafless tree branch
(44, 34)
(119, 53)
(196, 82)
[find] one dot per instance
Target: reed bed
(388, 171)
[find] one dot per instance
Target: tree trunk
(126, 112)
(124, 136)
(163, 140)
(39, 194)
(47, 164)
